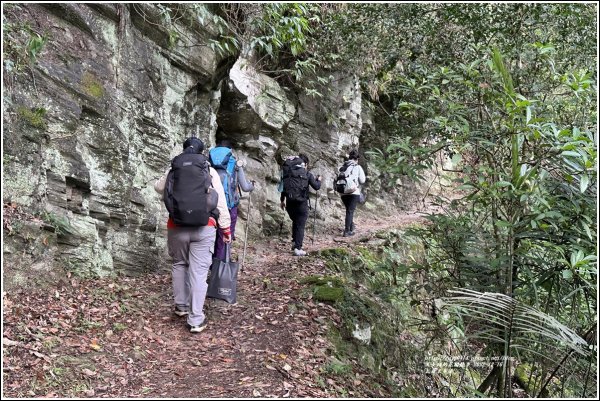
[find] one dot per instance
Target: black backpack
(295, 179)
(189, 195)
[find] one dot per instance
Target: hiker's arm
(315, 183)
(224, 218)
(361, 175)
(246, 185)
(159, 185)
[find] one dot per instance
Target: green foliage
(278, 39)
(522, 332)
(167, 17)
(119, 327)
(506, 92)
(21, 44)
(282, 26)
(337, 368)
(60, 224)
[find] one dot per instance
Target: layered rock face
(95, 120)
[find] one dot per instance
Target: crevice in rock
(88, 112)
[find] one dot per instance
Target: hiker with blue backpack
(295, 187)
(232, 176)
(194, 196)
(348, 183)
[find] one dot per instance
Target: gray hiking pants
(191, 249)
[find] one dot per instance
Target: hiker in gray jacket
(356, 177)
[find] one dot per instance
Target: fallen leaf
(40, 355)
(287, 367)
(94, 345)
(88, 372)
(8, 342)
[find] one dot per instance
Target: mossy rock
(523, 373)
(33, 117)
(328, 294)
(334, 253)
(322, 280)
(358, 307)
(92, 86)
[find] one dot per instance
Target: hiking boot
(181, 311)
(199, 328)
(348, 233)
(299, 252)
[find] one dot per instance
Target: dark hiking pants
(298, 212)
(350, 201)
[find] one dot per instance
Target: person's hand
(319, 178)
(282, 205)
(227, 236)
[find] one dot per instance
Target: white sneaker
(299, 252)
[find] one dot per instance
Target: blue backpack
(223, 161)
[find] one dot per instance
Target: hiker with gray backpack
(295, 187)
(194, 197)
(348, 184)
(232, 176)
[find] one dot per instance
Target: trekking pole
(281, 224)
(312, 241)
(246, 236)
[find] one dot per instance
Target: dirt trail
(119, 337)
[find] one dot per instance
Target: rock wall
(95, 120)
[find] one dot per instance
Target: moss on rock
(327, 293)
(91, 85)
(33, 117)
(334, 253)
(322, 280)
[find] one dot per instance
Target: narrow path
(119, 338)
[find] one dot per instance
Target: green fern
(525, 334)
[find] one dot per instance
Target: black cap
(195, 143)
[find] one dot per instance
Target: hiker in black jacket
(296, 180)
